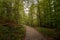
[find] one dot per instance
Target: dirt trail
(32, 34)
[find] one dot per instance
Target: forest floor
(50, 34)
(32, 34)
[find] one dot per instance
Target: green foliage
(49, 15)
(10, 10)
(47, 32)
(46, 15)
(10, 15)
(11, 33)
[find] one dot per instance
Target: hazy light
(52, 1)
(26, 11)
(13, 4)
(35, 1)
(26, 7)
(53, 10)
(24, 2)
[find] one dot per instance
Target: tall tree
(46, 13)
(57, 9)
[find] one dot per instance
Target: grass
(11, 33)
(47, 32)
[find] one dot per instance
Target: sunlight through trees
(34, 13)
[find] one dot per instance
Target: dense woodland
(39, 14)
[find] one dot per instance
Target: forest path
(32, 34)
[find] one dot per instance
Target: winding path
(32, 34)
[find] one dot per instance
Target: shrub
(11, 33)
